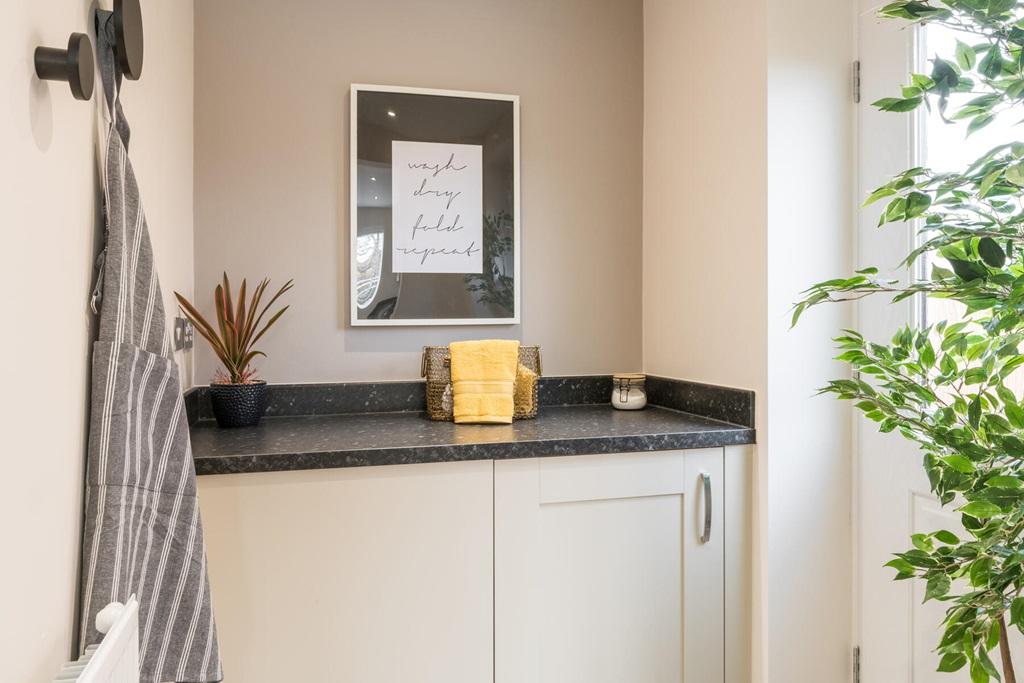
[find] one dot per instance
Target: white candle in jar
(628, 391)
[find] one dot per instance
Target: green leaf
(991, 253)
(880, 193)
(917, 204)
(992, 63)
(1015, 414)
(919, 559)
(991, 642)
(965, 56)
(1017, 613)
(895, 210)
(898, 104)
(978, 673)
(985, 660)
(997, 424)
(1004, 498)
(936, 587)
(981, 569)
(1005, 394)
(959, 463)
(944, 74)
(927, 355)
(998, 7)
(979, 122)
(1003, 482)
(988, 182)
(901, 566)
(921, 81)
(952, 661)
(922, 542)
(1015, 173)
(974, 412)
(947, 537)
(980, 509)
(967, 270)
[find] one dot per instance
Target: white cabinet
(362, 575)
(546, 570)
(601, 574)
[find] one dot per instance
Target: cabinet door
(601, 575)
(368, 575)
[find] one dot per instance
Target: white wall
(747, 200)
(272, 166)
(51, 232)
(811, 212)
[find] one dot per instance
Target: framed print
(434, 207)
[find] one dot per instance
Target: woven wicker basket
(436, 367)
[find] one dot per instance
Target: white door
(897, 633)
(601, 574)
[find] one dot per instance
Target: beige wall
(747, 200)
(272, 166)
(724, 157)
(704, 191)
(705, 208)
(51, 237)
(160, 107)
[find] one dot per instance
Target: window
(369, 257)
(944, 146)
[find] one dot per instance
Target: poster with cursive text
(437, 207)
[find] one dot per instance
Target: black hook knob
(74, 65)
(128, 31)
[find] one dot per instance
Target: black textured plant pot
(238, 405)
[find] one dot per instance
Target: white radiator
(116, 658)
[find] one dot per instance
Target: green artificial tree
(945, 385)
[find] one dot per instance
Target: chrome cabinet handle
(706, 480)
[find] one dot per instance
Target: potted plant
(239, 399)
(945, 386)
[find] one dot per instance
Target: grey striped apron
(142, 530)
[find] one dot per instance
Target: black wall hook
(74, 65)
(128, 31)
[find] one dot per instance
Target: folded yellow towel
(523, 392)
(483, 378)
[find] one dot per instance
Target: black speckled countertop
(322, 441)
(321, 430)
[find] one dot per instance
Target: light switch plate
(184, 334)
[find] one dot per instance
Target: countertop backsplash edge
(726, 404)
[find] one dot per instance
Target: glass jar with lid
(629, 391)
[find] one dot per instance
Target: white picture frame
(355, 319)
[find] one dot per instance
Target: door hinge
(856, 664)
(856, 81)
